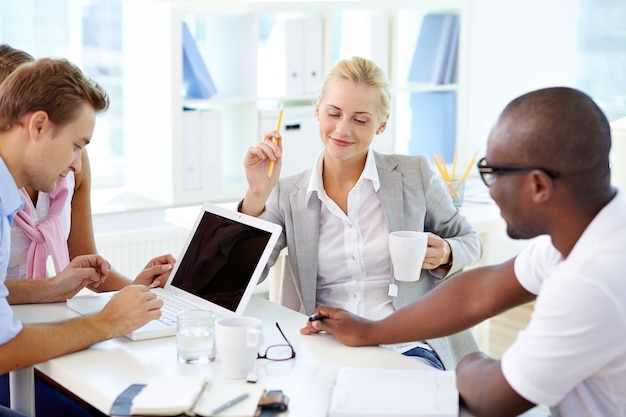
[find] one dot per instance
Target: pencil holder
(456, 189)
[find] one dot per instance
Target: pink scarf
(47, 233)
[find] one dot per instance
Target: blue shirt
(10, 203)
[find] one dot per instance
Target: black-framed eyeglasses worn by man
(489, 173)
(280, 352)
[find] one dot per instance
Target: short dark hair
(55, 86)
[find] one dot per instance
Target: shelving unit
(231, 36)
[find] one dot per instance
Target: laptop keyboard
(171, 308)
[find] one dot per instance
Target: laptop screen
(220, 260)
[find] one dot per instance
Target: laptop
(220, 264)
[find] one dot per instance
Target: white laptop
(222, 261)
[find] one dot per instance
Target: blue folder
(197, 82)
(436, 48)
(433, 124)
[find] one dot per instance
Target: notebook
(220, 264)
(389, 392)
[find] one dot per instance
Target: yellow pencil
(442, 160)
(439, 167)
(280, 118)
(469, 167)
(456, 154)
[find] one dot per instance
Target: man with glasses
(547, 168)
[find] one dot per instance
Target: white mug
(238, 340)
(407, 249)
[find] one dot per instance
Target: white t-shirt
(20, 242)
(572, 355)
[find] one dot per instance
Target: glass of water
(195, 336)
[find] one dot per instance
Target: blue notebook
(197, 82)
(435, 53)
(433, 124)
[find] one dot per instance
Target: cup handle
(254, 338)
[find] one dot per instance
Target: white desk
(100, 373)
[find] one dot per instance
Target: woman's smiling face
(348, 115)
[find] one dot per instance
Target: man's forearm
(41, 342)
(456, 304)
(30, 291)
(485, 391)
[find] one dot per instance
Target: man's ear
(543, 186)
(38, 122)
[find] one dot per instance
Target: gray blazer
(411, 196)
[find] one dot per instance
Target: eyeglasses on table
(279, 352)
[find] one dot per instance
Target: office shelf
(233, 37)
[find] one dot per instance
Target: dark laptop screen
(220, 260)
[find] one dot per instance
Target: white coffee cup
(407, 249)
(238, 340)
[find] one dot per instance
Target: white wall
(516, 46)
(618, 153)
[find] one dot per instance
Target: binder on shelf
(452, 50)
(290, 59)
(197, 82)
(435, 53)
(294, 56)
(372, 40)
(433, 123)
(201, 152)
(312, 48)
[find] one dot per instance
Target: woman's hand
(257, 165)
(156, 271)
(438, 252)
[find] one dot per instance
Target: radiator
(129, 251)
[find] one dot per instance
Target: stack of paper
(382, 392)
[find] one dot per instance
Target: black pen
(315, 317)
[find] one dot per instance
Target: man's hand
(132, 307)
(156, 271)
(348, 328)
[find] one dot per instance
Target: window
(88, 33)
(602, 54)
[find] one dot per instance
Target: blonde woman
(336, 216)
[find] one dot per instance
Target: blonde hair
(365, 71)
